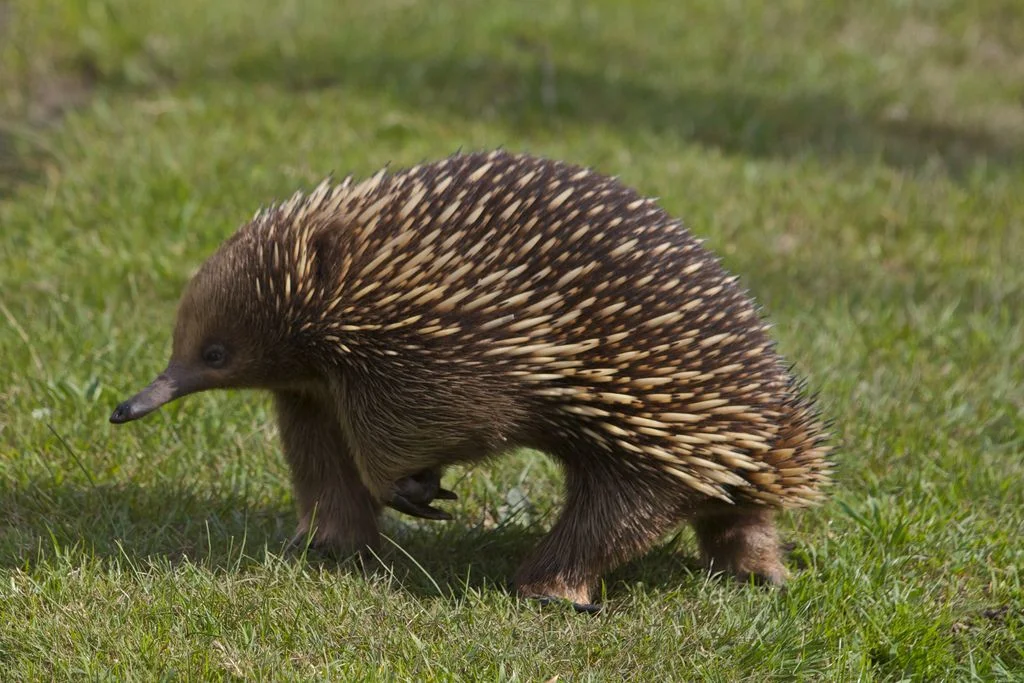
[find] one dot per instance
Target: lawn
(859, 165)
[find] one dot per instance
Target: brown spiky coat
(458, 309)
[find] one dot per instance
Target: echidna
(485, 302)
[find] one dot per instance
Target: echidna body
(462, 308)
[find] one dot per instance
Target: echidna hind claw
(296, 544)
(304, 544)
(578, 607)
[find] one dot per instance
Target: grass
(859, 165)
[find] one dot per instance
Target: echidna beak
(165, 388)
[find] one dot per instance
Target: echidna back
(587, 298)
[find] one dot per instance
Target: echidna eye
(214, 355)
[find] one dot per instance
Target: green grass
(860, 165)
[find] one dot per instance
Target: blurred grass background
(859, 165)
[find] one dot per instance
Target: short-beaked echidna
(492, 301)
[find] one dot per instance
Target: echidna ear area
(780, 461)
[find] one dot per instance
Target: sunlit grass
(860, 166)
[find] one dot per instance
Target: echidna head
(223, 337)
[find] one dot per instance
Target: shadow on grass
(24, 148)
(454, 560)
(43, 522)
(30, 99)
(527, 90)
(9, 166)
(732, 120)
(25, 155)
(534, 94)
(533, 83)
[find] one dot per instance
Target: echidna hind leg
(336, 512)
(742, 542)
(604, 524)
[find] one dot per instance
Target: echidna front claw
(445, 494)
(417, 509)
(412, 495)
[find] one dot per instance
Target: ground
(859, 165)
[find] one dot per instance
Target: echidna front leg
(742, 542)
(333, 502)
(605, 522)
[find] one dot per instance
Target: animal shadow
(44, 522)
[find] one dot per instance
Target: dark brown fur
(458, 310)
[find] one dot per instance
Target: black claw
(578, 607)
(421, 510)
(445, 494)
(587, 608)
